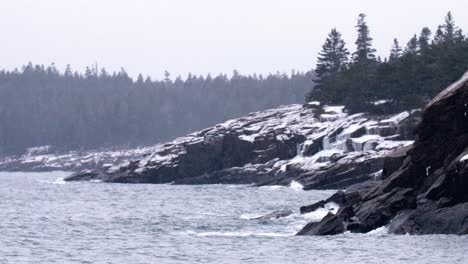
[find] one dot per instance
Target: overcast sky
(202, 36)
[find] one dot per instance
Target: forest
(407, 79)
(39, 105)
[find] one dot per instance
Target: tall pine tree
(412, 46)
(423, 40)
(364, 49)
(396, 50)
(332, 59)
(448, 33)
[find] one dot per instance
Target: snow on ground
(332, 129)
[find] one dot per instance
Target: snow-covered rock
(319, 147)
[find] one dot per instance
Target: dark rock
(313, 148)
(424, 186)
(379, 211)
(429, 219)
(312, 207)
(358, 133)
(330, 225)
(237, 175)
(274, 215)
(339, 176)
(86, 176)
(394, 161)
(406, 127)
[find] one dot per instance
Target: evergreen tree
(396, 50)
(412, 46)
(167, 77)
(364, 50)
(360, 83)
(423, 40)
(449, 28)
(333, 57)
(448, 33)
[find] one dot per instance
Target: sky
(202, 36)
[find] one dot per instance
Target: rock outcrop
(425, 186)
(321, 147)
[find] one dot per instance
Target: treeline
(408, 79)
(68, 110)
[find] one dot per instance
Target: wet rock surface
(424, 190)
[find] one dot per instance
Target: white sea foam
(250, 216)
(238, 234)
(320, 213)
(59, 180)
(296, 186)
(272, 187)
(379, 231)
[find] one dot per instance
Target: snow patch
(397, 118)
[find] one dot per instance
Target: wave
(296, 186)
(379, 231)
(59, 181)
(319, 214)
(250, 216)
(237, 234)
(272, 187)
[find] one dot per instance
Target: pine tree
(167, 77)
(68, 71)
(396, 50)
(423, 40)
(333, 57)
(449, 28)
(412, 46)
(364, 50)
(448, 33)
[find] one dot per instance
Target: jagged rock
(406, 127)
(430, 219)
(312, 207)
(86, 176)
(330, 225)
(394, 161)
(274, 215)
(427, 193)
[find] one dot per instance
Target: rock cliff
(425, 186)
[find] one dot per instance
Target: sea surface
(45, 220)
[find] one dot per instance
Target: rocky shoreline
(321, 147)
(424, 188)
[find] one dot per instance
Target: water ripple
(45, 220)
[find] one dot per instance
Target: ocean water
(45, 220)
